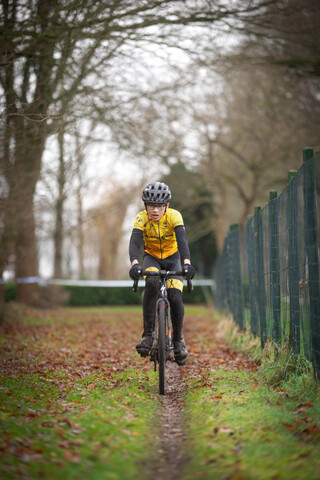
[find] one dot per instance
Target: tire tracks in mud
(169, 461)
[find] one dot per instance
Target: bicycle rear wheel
(162, 346)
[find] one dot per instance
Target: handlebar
(162, 274)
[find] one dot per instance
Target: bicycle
(161, 349)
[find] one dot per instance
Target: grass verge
(97, 429)
(75, 402)
(249, 423)
(279, 367)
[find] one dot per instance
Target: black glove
(189, 270)
(135, 271)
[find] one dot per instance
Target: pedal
(153, 355)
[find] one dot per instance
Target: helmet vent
(156, 192)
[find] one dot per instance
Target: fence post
(275, 266)
(293, 253)
(260, 273)
(237, 280)
(312, 246)
(252, 278)
(229, 276)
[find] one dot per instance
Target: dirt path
(172, 435)
(207, 352)
(68, 360)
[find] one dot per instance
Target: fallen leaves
(71, 361)
(303, 407)
(129, 432)
(22, 449)
(303, 425)
(72, 456)
(216, 397)
(224, 429)
(211, 356)
(72, 357)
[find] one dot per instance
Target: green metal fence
(267, 276)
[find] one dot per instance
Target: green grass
(242, 429)
(99, 428)
(259, 423)
(77, 403)
(20, 313)
(279, 366)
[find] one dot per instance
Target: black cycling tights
(175, 300)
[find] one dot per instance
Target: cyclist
(163, 234)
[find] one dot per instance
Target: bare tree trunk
(80, 239)
(7, 206)
(6, 241)
(27, 171)
(58, 233)
(30, 142)
(109, 231)
(80, 245)
(222, 213)
(26, 254)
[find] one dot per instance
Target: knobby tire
(162, 347)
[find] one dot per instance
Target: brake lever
(189, 284)
(135, 282)
(135, 285)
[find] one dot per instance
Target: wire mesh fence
(267, 276)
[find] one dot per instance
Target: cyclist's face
(156, 211)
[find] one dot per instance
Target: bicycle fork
(169, 344)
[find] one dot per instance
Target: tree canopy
(194, 199)
(249, 66)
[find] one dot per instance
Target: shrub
(10, 292)
(86, 296)
(122, 296)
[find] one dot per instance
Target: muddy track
(169, 462)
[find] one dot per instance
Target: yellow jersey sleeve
(174, 217)
(140, 220)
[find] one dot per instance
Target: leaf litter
(79, 355)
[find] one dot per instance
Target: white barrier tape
(99, 283)
(121, 283)
(24, 280)
(93, 283)
(29, 280)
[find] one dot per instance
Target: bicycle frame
(162, 296)
(162, 345)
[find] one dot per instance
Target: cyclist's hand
(189, 270)
(135, 271)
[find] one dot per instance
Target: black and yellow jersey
(159, 237)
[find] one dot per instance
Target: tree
(103, 229)
(70, 181)
(61, 180)
(284, 34)
(257, 138)
(52, 51)
(192, 196)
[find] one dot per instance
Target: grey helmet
(156, 192)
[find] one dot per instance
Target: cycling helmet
(156, 192)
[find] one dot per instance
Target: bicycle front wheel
(162, 346)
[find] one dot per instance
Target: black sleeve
(182, 241)
(135, 243)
